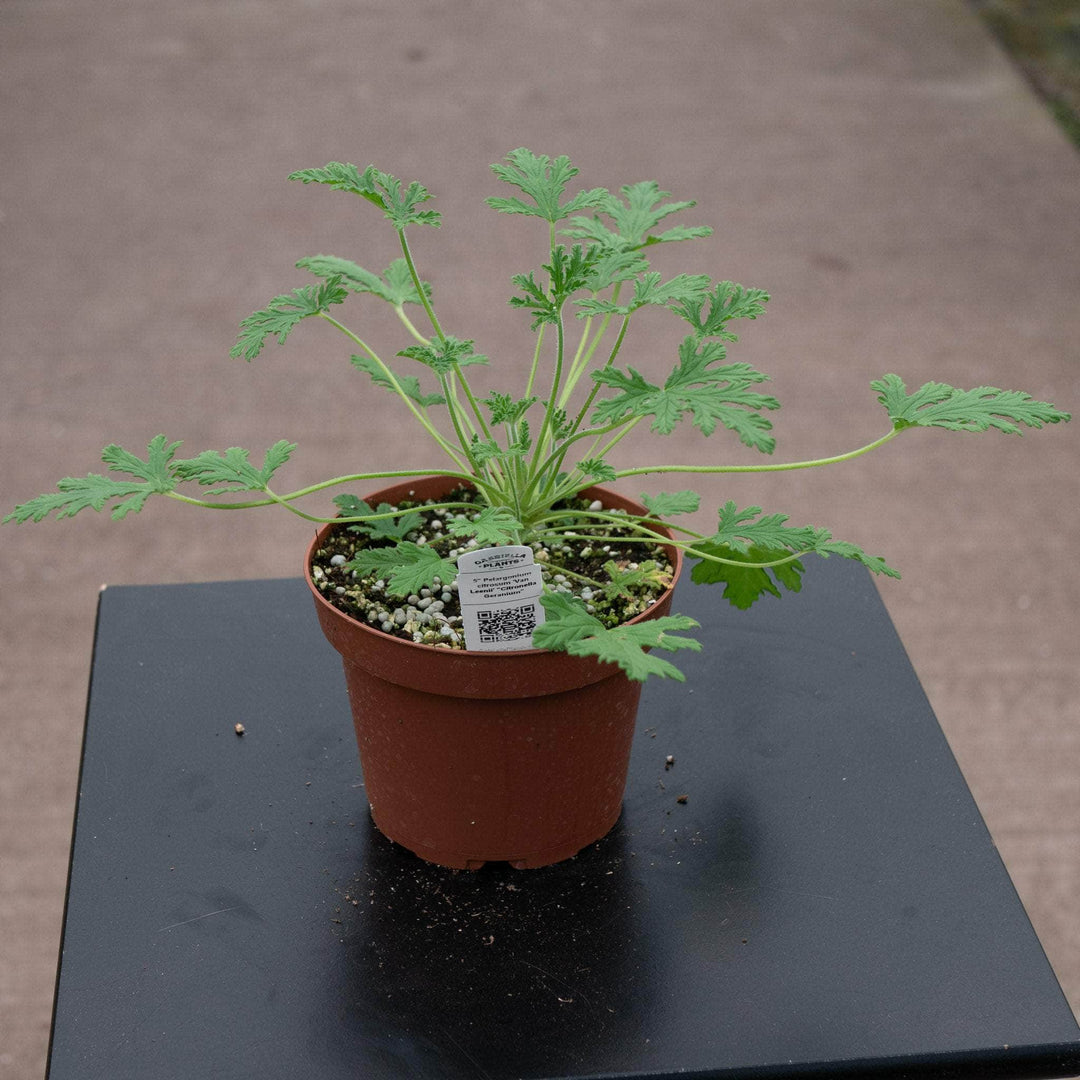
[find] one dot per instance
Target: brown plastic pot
(471, 757)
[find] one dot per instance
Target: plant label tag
(499, 590)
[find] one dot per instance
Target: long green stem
(544, 438)
(423, 420)
(579, 419)
(647, 536)
(777, 467)
(418, 285)
(535, 360)
(353, 478)
(451, 401)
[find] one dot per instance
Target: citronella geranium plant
(523, 459)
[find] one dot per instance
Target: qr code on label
(507, 624)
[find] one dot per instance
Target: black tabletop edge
(74, 827)
(1047, 1062)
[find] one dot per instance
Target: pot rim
(480, 656)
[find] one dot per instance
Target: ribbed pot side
(485, 756)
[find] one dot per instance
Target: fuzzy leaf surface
(385, 191)
(493, 525)
(153, 476)
(233, 469)
(937, 404)
(406, 567)
(409, 384)
(543, 181)
(711, 395)
(634, 218)
(395, 286)
(649, 289)
(746, 538)
(598, 469)
(623, 582)
(568, 627)
(666, 503)
(283, 313)
(710, 312)
(445, 355)
(395, 527)
(567, 272)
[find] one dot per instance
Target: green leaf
(382, 189)
(481, 450)
(395, 527)
(492, 526)
(352, 506)
(598, 469)
(406, 567)
(395, 286)
(940, 405)
(667, 503)
(445, 355)
(710, 313)
(283, 313)
(711, 395)
(232, 469)
(343, 177)
(747, 539)
(565, 621)
(410, 384)
(610, 267)
(635, 219)
(544, 182)
(649, 289)
(567, 273)
(624, 581)
(153, 476)
(741, 530)
(743, 584)
(568, 627)
(505, 409)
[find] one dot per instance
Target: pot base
(465, 781)
(532, 860)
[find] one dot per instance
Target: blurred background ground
(885, 170)
(1043, 38)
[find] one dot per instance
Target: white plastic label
(499, 590)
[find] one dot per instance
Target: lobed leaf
(505, 409)
(543, 181)
(667, 503)
(406, 567)
(635, 217)
(937, 404)
(233, 469)
(380, 188)
(745, 540)
(709, 313)
(493, 525)
(283, 313)
(395, 286)
(410, 384)
(445, 355)
(649, 289)
(153, 476)
(568, 627)
(711, 395)
(390, 525)
(597, 469)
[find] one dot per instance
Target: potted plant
(498, 612)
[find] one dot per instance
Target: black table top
(826, 902)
